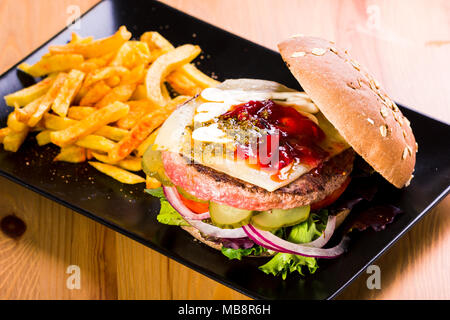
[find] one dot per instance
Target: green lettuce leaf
(231, 253)
(167, 214)
(285, 263)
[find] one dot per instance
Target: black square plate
(128, 210)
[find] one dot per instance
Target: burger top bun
(353, 101)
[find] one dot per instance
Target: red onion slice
(271, 241)
(174, 199)
(258, 240)
(217, 232)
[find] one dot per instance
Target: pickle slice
(227, 217)
(190, 196)
(277, 218)
(153, 166)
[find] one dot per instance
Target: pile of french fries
(102, 101)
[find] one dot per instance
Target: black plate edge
(419, 217)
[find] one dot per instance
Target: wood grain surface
(406, 45)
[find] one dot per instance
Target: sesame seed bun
(353, 101)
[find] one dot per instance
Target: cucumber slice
(190, 196)
(153, 166)
(277, 218)
(226, 217)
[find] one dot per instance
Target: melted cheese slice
(175, 137)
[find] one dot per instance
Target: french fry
(163, 66)
(136, 76)
(89, 154)
(67, 92)
(132, 54)
(130, 163)
(142, 130)
(105, 73)
(93, 64)
(95, 48)
(73, 154)
(198, 77)
(120, 93)
(90, 124)
(118, 174)
(24, 114)
(182, 84)
(29, 94)
(147, 143)
(52, 63)
(79, 113)
(4, 132)
(14, 140)
(138, 109)
(113, 81)
(95, 94)
(55, 123)
(157, 44)
(14, 123)
(95, 142)
(43, 137)
(140, 93)
(76, 38)
(49, 98)
(151, 183)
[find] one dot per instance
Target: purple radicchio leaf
(237, 243)
(376, 217)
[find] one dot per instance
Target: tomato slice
(194, 206)
(332, 197)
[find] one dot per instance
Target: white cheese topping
(211, 133)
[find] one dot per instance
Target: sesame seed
(356, 65)
(370, 121)
(383, 130)
(405, 153)
(409, 150)
(409, 180)
(360, 82)
(417, 147)
(377, 84)
(318, 51)
(404, 133)
(298, 54)
(384, 112)
(333, 49)
(299, 35)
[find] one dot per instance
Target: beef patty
(208, 184)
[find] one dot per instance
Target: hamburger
(251, 167)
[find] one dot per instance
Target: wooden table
(406, 45)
